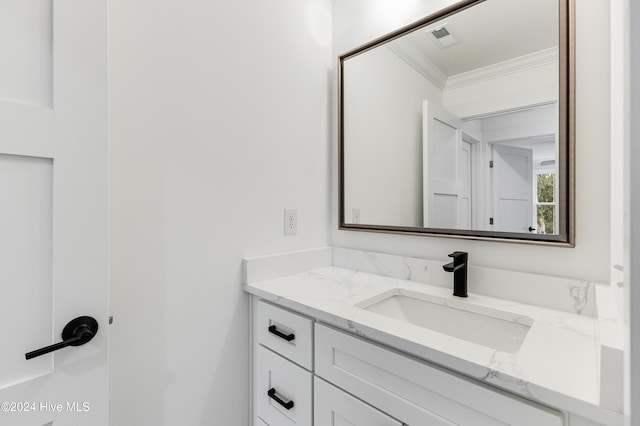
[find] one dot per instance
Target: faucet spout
(452, 267)
(459, 269)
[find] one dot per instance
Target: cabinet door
(418, 393)
(333, 407)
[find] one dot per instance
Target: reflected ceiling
(517, 27)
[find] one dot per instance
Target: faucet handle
(462, 255)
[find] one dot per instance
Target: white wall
(620, 168)
(358, 21)
(219, 120)
(632, 210)
(530, 123)
(390, 92)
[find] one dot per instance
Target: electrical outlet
(290, 221)
(355, 215)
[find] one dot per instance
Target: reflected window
(546, 203)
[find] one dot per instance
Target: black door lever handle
(77, 332)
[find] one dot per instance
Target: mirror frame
(566, 138)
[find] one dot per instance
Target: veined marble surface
(557, 364)
(564, 294)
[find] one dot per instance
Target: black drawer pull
(287, 337)
(272, 394)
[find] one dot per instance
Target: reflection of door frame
(477, 201)
(434, 112)
(499, 216)
(464, 133)
(532, 140)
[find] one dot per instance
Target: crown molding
(410, 54)
(501, 69)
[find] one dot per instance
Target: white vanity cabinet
(336, 378)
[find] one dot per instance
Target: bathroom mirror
(461, 125)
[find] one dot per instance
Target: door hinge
(491, 164)
(110, 320)
(490, 221)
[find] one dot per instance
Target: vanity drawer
(415, 392)
(333, 406)
(289, 334)
(282, 390)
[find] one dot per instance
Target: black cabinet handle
(287, 337)
(531, 228)
(77, 332)
(272, 394)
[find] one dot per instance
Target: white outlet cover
(355, 215)
(290, 221)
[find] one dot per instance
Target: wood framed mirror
(462, 125)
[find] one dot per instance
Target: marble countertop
(557, 363)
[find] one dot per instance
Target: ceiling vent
(443, 36)
(440, 32)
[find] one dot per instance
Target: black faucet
(459, 269)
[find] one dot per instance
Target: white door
(443, 172)
(53, 210)
(464, 186)
(512, 189)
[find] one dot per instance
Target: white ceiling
(491, 32)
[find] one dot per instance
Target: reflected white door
(464, 185)
(446, 170)
(53, 209)
(512, 189)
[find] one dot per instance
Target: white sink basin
(487, 327)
